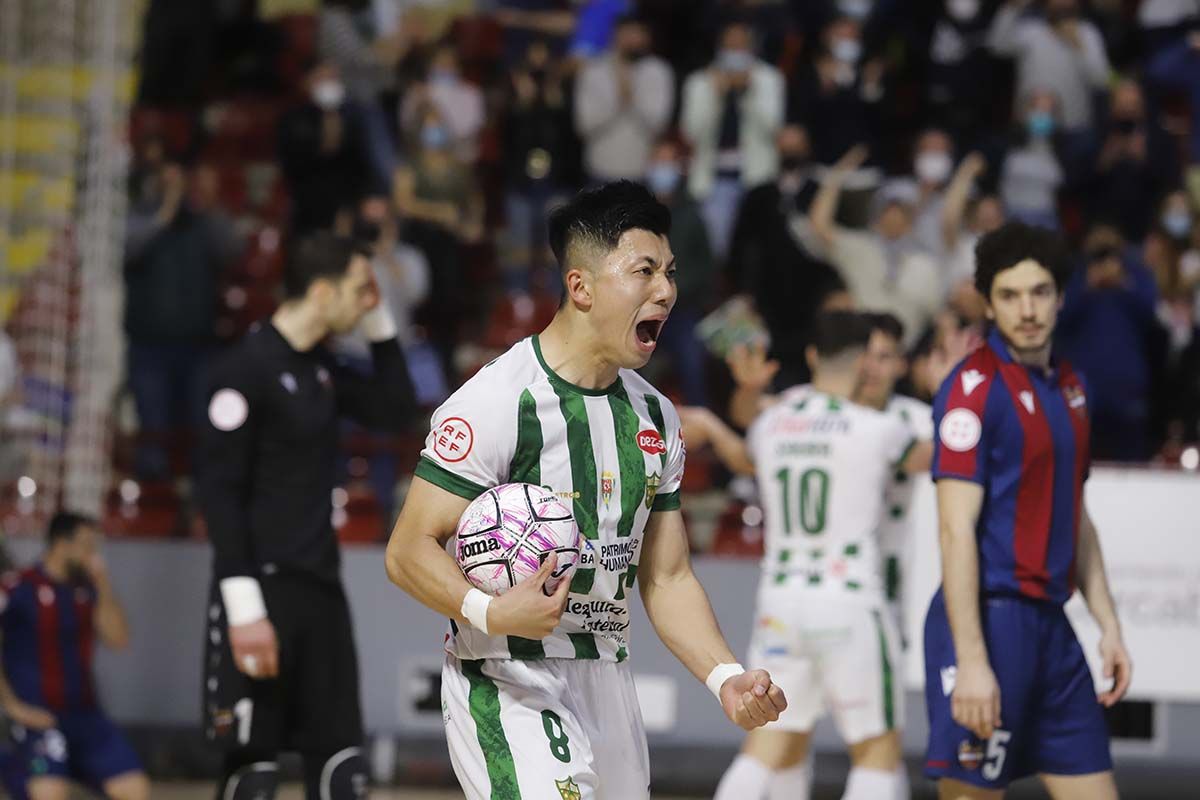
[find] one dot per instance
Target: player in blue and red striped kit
(50, 615)
(1008, 690)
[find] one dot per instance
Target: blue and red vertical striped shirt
(1022, 434)
(48, 635)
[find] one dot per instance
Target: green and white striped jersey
(615, 453)
(895, 529)
(823, 464)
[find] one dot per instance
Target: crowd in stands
(813, 153)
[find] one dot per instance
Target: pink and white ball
(507, 532)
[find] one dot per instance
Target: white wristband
(721, 673)
(243, 600)
(474, 608)
(378, 325)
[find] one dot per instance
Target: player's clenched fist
(975, 703)
(526, 610)
(750, 699)
(255, 648)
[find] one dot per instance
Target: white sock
(746, 779)
(793, 783)
(870, 784)
(903, 791)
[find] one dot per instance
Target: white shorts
(557, 729)
(841, 657)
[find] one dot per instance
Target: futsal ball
(508, 531)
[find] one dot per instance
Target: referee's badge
(228, 409)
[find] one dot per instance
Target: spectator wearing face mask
(882, 266)
(321, 150)
(732, 110)
(696, 277)
(837, 96)
(960, 87)
(1108, 330)
(437, 194)
(1032, 172)
(1057, 51)
(1169, 250)
(933, 165)
(623, 102)
(773, 258)
(458, 102)
(1134, 166)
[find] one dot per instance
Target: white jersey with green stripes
(823, 464)
(615, 453)
(895, 529)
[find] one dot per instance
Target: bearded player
(1007, 687)
(538, 694)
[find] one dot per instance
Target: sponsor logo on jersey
(453, 439)
(606, 486)
(652, 482)
(479, 547)
(970, 754)
(616, 557)
(971, 380)
(568, 789)
(960, 429)
(1027, 400)
(651, 442)
(949, 675)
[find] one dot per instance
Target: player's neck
(568, 349)
(298, 325)
(1037, 359)
(55, 567)
(836, 384)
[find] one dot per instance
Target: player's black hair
(64, 525)
(886, 324)
(599, 216)
(1014, 242)
(319, 255)
(835, 332)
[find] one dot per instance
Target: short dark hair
(318, 255)
(835, 332)
(1014, 242)
(64, 525)
(599, 216)
(887, 324)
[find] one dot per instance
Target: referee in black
(281, 673)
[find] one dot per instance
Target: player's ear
(579, 287)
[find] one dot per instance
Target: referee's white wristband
(243, 600)
(378, 324)
(474, 608)
(721, 673)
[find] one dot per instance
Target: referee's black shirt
(269, 447)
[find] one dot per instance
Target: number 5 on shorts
(997, 749)
(552, 725)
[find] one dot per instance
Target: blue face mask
(1041, 124)
(1177, 223)
(442, 77)
(663, 178)
(435, 137)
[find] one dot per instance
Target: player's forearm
(745, 405)
(1094, 579)
(111, 622)
(960, 587)
(424, 570)
(682, 616)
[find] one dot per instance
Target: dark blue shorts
(1052, 721)
(85, 746)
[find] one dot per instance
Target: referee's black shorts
(313, 705)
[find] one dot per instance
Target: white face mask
(735, 60)
(962, 10)
(933, 167)
(846, 50)
(328, 94)
(858, 9)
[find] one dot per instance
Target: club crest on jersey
(324, 377)
(651, 442)
(568, 789)
(606, 486)
(652, 482)
(1076, 400)
(970, 754)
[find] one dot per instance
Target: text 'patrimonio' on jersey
(615, 454)
(823, 464)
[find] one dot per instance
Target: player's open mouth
(647, 332)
